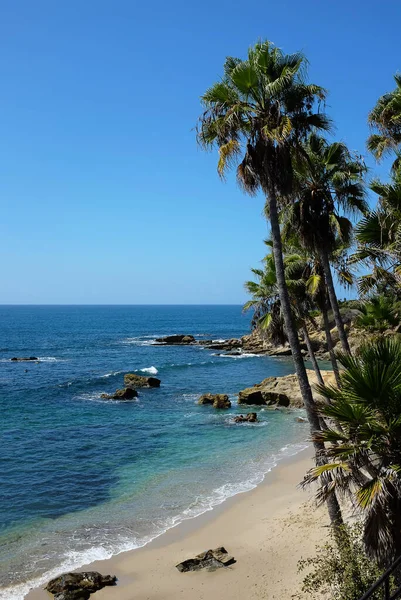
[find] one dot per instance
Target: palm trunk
(329, 342)
(324, 260)
(312, 355)
(292, 334)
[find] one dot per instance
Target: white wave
(202, 504)
(241, 355)
(151, 370)
(111, 374)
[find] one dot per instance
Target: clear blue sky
(105, 196)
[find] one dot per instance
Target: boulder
(210, 559)
(124, 394)
(281, 391)
(217, 400)
(24, 358)
(133, 380)
(170, 340)
(249, 418)
(78, 586)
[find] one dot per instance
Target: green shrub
(341, 568)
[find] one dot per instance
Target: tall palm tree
(265, 302)
(255, 115)
(378, 235)
(366, 453)
(328, 183)
(385, 120)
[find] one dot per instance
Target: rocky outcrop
(78, 586)
(217, 400)
(171, 340)
(230, 344)
(248, 418)
(210, 559)
(135, 381)
(24, 358)
(280, 391)
(124, 394)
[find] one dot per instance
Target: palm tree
(255, 115)
(265, 302)
(378, 235)
(385, 120)
(328, 182)
(366, 453)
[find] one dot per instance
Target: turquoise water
(84, 478)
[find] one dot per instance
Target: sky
(105, 196)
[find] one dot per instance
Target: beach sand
(268, 530)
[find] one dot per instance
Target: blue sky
(105, 196)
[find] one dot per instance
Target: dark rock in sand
(218, 400)
(249, 418)
(133, 380)
(78, 586)
(176, 339)
(24, 358)
(210, 559)
(124, 394)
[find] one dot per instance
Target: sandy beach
(268, 530)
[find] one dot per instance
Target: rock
(73, 595)
(300, 420)
(23, 358)
(218, 400)
(231, 344)
(133, 380)
(249, 418)
(124, 394)
(210, 559)
(281, 391)
(78, 586)
(176, 339)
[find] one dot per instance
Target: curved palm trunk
(312, 355)
(329, 342)
(324, 260)
(306, 392)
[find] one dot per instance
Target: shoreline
(267, 529)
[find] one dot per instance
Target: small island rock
(124, 394)
(170, 340)
(24, 358)
(133, 380)
(217, 400)
(249, 418)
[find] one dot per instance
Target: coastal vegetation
(268, 121)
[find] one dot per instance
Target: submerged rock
(124, 394)
(78, 586)
(24, 358)
(133, 380)
(217, 400)
(210, 559)
(249, 418)
(176, 339)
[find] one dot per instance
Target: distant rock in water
(78, 586)
(249, 418)
(133, 380)
(217, 400)
(24, 358)
(124, 394)
(210, 559)
(171, 340)
(230, 344)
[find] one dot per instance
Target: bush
(341, 568)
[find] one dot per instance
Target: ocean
(82, 478)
